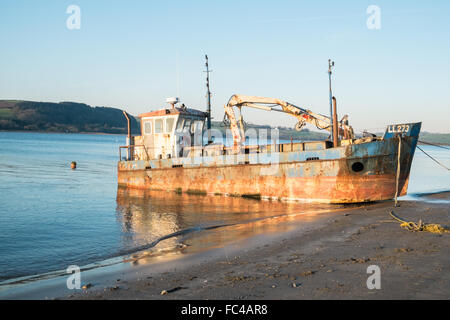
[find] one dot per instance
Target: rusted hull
(333, 178)
(322, 189)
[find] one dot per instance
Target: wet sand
(329, 260)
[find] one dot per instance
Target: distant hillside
(438, 138)
(62, 117)
(80, 117)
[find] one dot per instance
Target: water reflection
(162, 225)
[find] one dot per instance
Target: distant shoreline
(60, 132)
(124, 134)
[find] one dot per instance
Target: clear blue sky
(129, 54)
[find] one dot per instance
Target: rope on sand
(420, 226)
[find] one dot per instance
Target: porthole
(357, 167)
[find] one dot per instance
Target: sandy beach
(327, 260)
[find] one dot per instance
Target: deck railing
(201, 151)
(130, 151)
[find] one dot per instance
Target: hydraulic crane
(271, 104)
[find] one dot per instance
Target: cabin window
(148, 127)
(187, 124)
(169, 125)
(198, 125)
(158, 126)
(180, 124)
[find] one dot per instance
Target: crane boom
(271, 104)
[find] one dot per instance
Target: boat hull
(350, 174)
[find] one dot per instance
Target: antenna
(330, 66)
(208, 100)
(178, 73)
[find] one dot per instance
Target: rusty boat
(176, 152)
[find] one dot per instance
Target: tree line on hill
(74, 117)
(63, 117)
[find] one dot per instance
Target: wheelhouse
(166, 133)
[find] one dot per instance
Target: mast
(331, 65)
(208, 101)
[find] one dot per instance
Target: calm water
(52, 217)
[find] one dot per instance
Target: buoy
(73, 165)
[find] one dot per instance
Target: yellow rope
(398, 168)
(420, 226)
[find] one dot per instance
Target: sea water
(52, 217)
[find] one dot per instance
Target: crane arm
(270, 104)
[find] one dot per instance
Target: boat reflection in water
(160, 225)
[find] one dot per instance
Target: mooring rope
(433, 144)
(441, 164)
(411, 226)
(420, 226)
